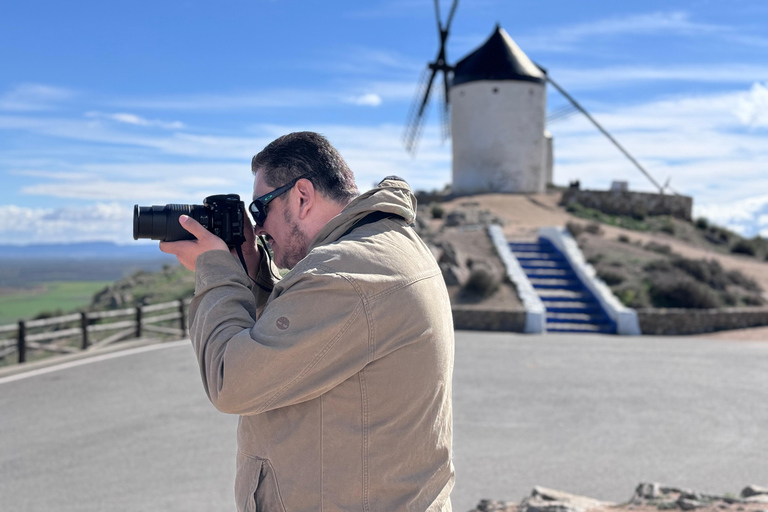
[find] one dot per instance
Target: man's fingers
(194, 227)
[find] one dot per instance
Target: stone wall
(637, 204)
(473, 318)
(696, 321)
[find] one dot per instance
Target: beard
(295, 248)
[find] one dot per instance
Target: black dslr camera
(222, 215)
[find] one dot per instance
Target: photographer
(341, 370)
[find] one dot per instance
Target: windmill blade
(437, 15)
(561, 113)
(450, 15)
(604, 131)
(446, 111)
(416, 116)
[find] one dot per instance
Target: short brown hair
(310, 155)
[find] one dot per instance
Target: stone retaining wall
(697, 321)
(637, 204)
(476, 319)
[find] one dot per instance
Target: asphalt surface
(592, 415)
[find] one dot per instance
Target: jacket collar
(393, 195)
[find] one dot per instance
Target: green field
(64, 296)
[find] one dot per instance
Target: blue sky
(108, 104)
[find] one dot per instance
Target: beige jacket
(343, 379)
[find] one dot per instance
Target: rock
(450, 255)
(454, 275)
(753, 490)
(757, 498)
(648, 491)
(495, 506)
(688, 504)
(550, 500)
(456, 218)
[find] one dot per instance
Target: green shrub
(739, 279)
(658, 266)
(575, 228)
(436, 210)
(702, 223)
(482, 282)
(753, 300)
(659, 248)
(611, 277)
(681, 291)
(668, 226)
(744, 247)
(594, 228)
(708, 272)
(720, 236)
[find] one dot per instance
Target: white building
(498, 111)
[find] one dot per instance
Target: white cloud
(602, 78)
(32, 97)
(368, 100)
(133, 119)
(569, 38)
(753, 108)
(100, 221)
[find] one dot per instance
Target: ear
(306, 195)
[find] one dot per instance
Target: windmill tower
(498, 112)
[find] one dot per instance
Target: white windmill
(498, 116)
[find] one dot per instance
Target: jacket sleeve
(310, 338)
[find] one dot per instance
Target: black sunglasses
(258, 207)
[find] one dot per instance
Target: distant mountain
(83, 251)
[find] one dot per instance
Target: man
(341, 370)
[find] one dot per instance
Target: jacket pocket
(256, 487)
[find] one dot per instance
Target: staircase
(570, 306)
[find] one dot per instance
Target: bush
(702, 223)
(708, 272)
(680, 291)
(668, 226)
(658, 266)
(623, 239)
(482, 282)
(659, 248)
(739, 279)
(594, 228)
(719, 236)
(436, 210)
(575, 228)
(753, 300)
(611, 277)
(744, 247)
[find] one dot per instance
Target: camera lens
(162, 222)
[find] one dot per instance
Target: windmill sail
(420, 103)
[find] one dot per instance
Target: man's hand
(251, 253)
(187, 251)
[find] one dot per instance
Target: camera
(222, 215)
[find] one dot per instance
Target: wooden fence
(91, 330)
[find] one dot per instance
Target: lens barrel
(162, 222)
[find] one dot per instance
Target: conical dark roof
(499, 58)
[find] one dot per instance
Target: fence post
(22, 344)
(84, 327)
(138, 321)
(182, 318)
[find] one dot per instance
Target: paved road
(587, 414)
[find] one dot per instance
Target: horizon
(106, 106)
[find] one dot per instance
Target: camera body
(223, 215)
